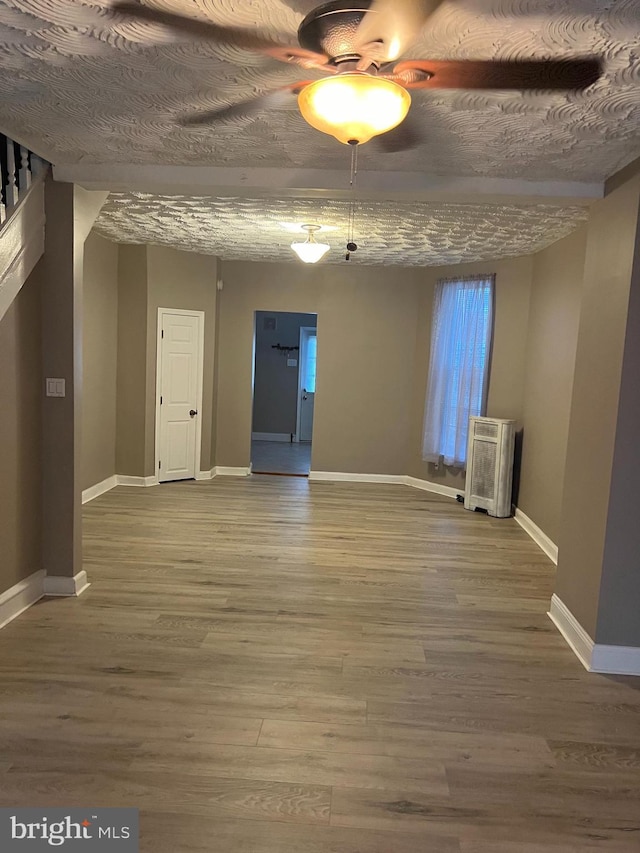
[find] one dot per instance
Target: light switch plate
(292, 362)
(55, 388)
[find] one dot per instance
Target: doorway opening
(284, 387)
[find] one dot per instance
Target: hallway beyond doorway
(279, 457)
(285, 355)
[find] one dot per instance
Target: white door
(307, 382)
(179, 386)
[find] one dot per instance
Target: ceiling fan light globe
(354, 106)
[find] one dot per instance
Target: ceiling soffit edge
(628, 173)
(319, 183)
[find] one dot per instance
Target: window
(460, 347)
(309, 367)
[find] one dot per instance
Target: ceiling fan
(365, 90)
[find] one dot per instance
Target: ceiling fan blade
(299, 56)
(565, 74)
(208, 31)
(277, 99)
(390, 27)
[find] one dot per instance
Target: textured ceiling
(82, 85)
(389, 233)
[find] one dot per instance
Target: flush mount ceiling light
(354, 106)
(297, 228)
(310, 251)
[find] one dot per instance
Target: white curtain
(460, 349)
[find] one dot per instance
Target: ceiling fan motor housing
(331, 29)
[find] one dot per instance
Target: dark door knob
(193, 413)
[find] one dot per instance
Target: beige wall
(275, 399)
(187, 281)
(554, 315)
(366, 341)
(69, 212)
(99, 353)
(132, 355)
(611, 240)
(20, 436)
(506, 378)
(618, 615)
(152, 277)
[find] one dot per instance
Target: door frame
(301, 351)
(199, 315)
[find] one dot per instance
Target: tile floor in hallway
(280, 457)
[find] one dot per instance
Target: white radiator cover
(490, 452)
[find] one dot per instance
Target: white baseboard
(572, 631)
(398, 479)
(206, 475)
(57, 585)
(99, 489)
(539, 536)
(595, 657)
(615, 660)
(145, 482)
(120, 480)
(142, 482)
(271, 436)
(346, 477)
(436, 488)
(20, 597)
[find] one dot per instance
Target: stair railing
(18, 169)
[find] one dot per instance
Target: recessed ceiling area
(389, 233)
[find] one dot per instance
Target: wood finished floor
(278, 666)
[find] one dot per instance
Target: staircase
(21, 217)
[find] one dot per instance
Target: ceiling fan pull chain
(351, 245)
(354, 165)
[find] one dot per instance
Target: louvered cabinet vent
(490, 465)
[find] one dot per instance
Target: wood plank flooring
(277, 666)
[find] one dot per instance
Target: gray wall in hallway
(275, 392)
